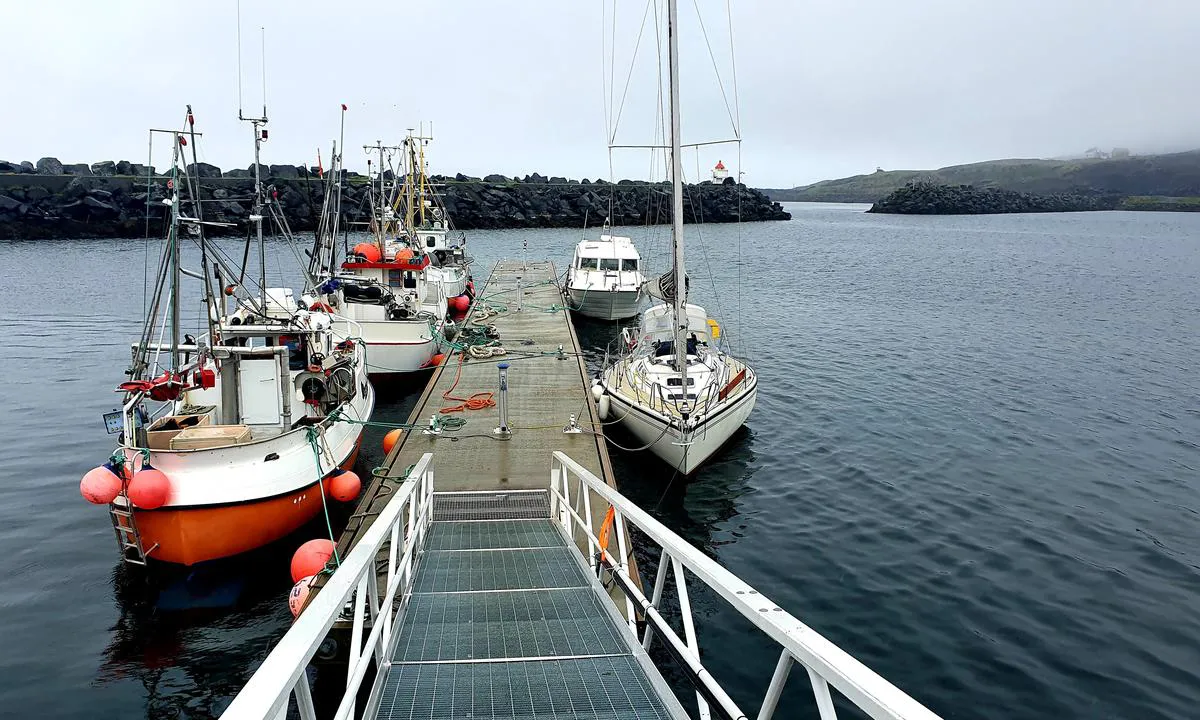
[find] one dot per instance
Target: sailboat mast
(679, 309)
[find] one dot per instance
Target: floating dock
(547, 384)
(488, 571)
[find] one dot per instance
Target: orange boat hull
(195, 534)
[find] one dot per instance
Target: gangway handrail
(826, 663)
(282, 674)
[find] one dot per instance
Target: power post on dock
(498, 590)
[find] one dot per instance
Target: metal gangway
(495, 606)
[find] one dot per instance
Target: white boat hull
(451, 279)
(395, 347)
(651, 428)
(605, 304)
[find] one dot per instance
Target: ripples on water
(974, 465)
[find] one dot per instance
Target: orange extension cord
(478, 401)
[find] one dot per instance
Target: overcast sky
(826, 88)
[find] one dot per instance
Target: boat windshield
(610, 264)
(629, 265)
(588, 263)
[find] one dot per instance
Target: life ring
(321, 307)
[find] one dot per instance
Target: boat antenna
(679, 309)
(260, 134)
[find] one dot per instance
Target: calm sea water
(974, 464)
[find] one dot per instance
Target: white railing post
(592, 551)
(689, 626)
(775, 689)
(623, 548)
(555, 469)
(393, 550)
(821, 691)
(660, 580)
(304, 701)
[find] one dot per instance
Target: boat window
(610, 264)
(430, 241)
(629, 265)
(588, 263)
(394, 278)
(679, 381)
(410, 280)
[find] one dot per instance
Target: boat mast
(679, 310)
(173, 235)
(257, 216)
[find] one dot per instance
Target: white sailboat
(674, 388)
(605, 278)
(232, 439)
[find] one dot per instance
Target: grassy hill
(1175, 175)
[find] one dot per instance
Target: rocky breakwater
(925, 198)
(121, 199)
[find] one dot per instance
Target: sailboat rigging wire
(629, 77)
(716, 70)
(737, 108)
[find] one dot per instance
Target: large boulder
(106, 168)
(495, 179)
(124, 167)
(27, 167)
(239, 173)
(203, 170)
(49, 166)
(284, 171)
(77, 169)
(8, 204)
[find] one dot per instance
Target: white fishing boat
(428, 224)
(673, 386)
(236, 437)
(382, 286)
(605, 278)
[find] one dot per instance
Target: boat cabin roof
(608, 246)
(657, 325)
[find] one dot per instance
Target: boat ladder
(129, 540)
(514, 604)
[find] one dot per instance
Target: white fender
(603, 407)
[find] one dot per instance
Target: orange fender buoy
(101, 485)
(323, 307)
(310, 558)
(393, 437)
(299, 595)
(149, 488)
(369, 252)
(344, 485)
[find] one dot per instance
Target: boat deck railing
(469, 614)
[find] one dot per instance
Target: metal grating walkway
(504, 621)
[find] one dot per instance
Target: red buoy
(344, 485)
(299, 595)
(393, 437)
(310, 558)
(100, 485)
(437, 359)
(369, 252)
(149, 488)
(461, 303)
